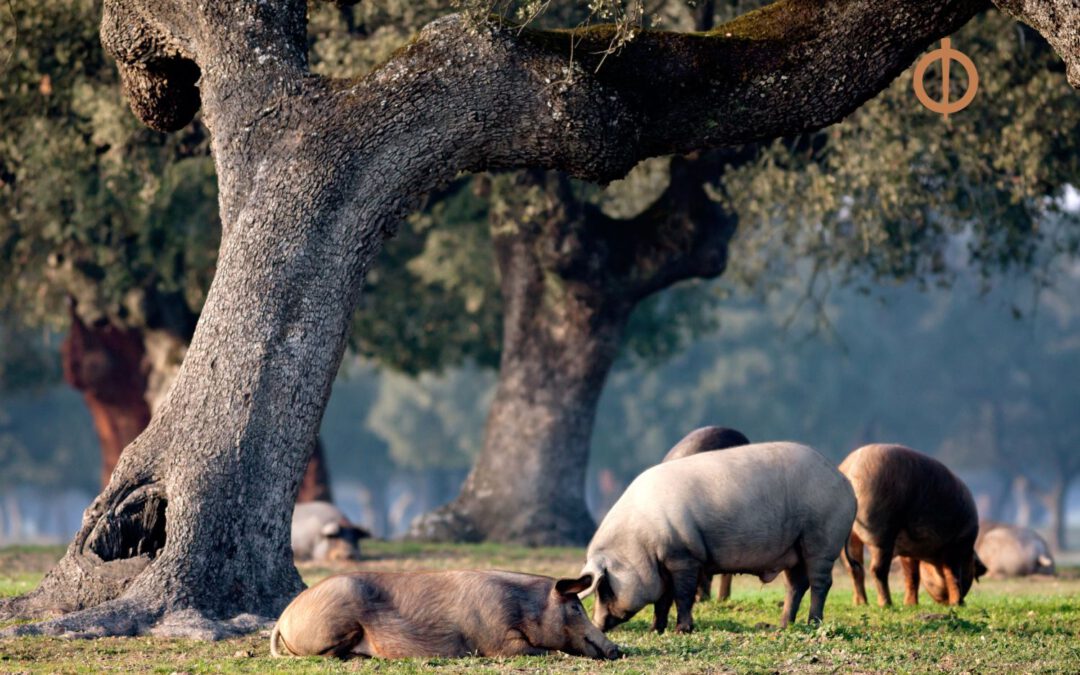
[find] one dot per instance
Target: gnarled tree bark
(192, 533)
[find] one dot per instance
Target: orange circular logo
(946, 54)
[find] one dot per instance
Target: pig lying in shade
(429, 614)
(758, 509)
(697, 441)
(912, 506)
(321, 532)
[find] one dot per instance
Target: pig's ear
(571, 587)
(331, 530)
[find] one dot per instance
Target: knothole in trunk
(136, 528)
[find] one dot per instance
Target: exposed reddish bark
(106, 363)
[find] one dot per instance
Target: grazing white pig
(1011, 551)
(758, 509)
(321, 532)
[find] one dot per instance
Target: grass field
(1017, 626)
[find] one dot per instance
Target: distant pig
(1011, 551)
(912, 506)
(758, 509)
(321, 532)
(432, 614)
(704, 440)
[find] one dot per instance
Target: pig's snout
(599, 647)
(339, 550)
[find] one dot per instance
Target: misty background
(988, 382)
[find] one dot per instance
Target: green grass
(1016, 626)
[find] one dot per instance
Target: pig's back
(901, 490)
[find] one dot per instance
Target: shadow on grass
(951, 621)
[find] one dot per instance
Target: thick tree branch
(794, 66)
(1056, 20)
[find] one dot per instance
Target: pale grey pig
(430, 614)
(1011, 551)
(707, 439)
(321, 532)
(758, 509)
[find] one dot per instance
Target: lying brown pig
(912, 506)
(704, 440)
(1011, 551)
(427, 614)
(758, 509)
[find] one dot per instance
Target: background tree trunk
(560, 338)
(570, 277)
(106, 364)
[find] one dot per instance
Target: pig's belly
(763, 561)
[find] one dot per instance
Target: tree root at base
(128, 617)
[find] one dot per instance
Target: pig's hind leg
(662, 607)
(797, 583)
(853, 560)
(819, 571)
(880, 561)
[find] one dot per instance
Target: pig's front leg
(662, 607)
(517, 645)
(684, 580)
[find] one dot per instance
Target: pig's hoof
(684, 628)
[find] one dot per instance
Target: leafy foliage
(91, 202)
(895, 192)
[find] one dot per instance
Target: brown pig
(449, 613)
(697, 441)
(912, 506)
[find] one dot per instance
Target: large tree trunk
(192, 532)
